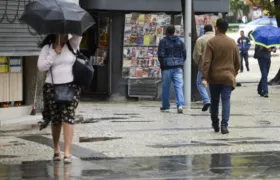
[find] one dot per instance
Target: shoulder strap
(51, 69)
(51, 75)
(70, 48)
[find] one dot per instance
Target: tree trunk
(276, 79)
(195, 94)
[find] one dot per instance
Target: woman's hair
(49, 39)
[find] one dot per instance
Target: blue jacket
(171, 52)
(245, 46)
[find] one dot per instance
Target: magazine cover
(141, 20)
(128, 19)
(142, 33)
(139, 72)
(179, 31)
(101, 55)
(132, 71)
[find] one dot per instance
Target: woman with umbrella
(57, 57)
(266, 39)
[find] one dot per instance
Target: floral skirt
(58, 113)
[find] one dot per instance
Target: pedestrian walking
(264, 59)
(220, 68)
(198, 53)
(172, 55)
(244, 46)
(57, 60)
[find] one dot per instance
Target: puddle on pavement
(97, 139)
(127, 114)
(227, 142)
(239, 139)
(14, 144)
(206, 114)
(7, 156)
(253, 165)
(265, 122)
(180, 145)
(131, 121)
(77, 151)
(16, 128)
(254, 142)
(96, 120)
(97, 172)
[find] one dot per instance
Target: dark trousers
(264, 65)
(245, 57)
(224, 92)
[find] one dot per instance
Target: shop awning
(200, 6)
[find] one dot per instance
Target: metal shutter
(142, 87)
(16, 39)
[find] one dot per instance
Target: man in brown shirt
(221, 66)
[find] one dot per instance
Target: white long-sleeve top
(61, 64)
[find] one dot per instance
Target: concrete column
(188, 62)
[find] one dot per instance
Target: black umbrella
(56, 17)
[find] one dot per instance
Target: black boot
(206, 107)
(43, 124)
(224, 130)
(215, 125)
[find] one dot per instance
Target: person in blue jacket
(172, 56)
(244, 46)
(263, 55)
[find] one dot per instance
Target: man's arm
(207, 61)
(239, 44)
(236, 61)
(238, 41)
(161, 52)
(248, 44)
(184, 51)
(197, 53)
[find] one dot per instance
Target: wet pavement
(265, 165)
(134, 140)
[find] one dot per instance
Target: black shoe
(248, 69)
(265, 95)
(164, 109)
(206, 107)
(216, 127)
(224, 130)
(261, 94)
(43, 124)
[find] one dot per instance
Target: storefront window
(142, 34)
(101, 54)
(178, 23)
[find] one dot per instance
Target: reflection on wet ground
(263, 165)
(96, 139)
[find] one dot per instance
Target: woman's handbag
(82, 69)
(63, 94)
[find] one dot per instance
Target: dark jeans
(245, 57)
(224, 92)
(264, 67)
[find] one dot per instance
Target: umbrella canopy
(56, 17)
(266, 36)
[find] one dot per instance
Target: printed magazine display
(142, 34)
